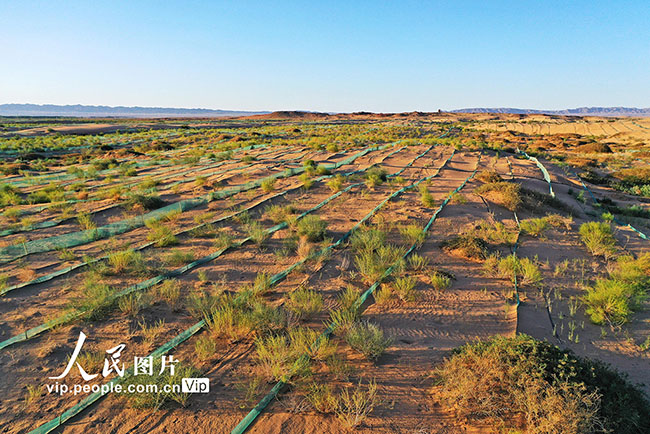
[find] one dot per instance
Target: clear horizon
(334, 57)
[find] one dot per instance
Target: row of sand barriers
(246, 422)
(64, 417)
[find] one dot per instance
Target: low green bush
(598, 238)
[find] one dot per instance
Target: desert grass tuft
(368, 339)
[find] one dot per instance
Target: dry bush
(467, 246)
(527, 384)
(593, 148)
(488, 176)
(26, 274)
(507, 194)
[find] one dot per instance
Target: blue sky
(326, 56)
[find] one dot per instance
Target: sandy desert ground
(139, 237)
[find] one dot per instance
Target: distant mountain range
(581, 111)
(95, 111)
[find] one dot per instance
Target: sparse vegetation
(238, 201)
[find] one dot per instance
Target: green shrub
(94, 299)
(304, 302)
(458, 198)
(598, 238)
(342, 319)
(67, 255)
(368, 339)
(262, 283)
(257, 233)
(159, 234)
(201, 305)
(367, 240)
(534, 226)
(417, 262)
(426, 197)
(170, 292)
(322, 398)
(11, 214)
(279, 214)
(373, 264)
(614, 299)
(405, 288)
(496, 233)
(348, 297)
(312, 228)
(148, 202)
(439, 281)
(91, 360)
(126, 261)
(352, 408)
(488, 176)
(508, 267)
(526, 271)
(322, 170)
(336, 184)
(268, 185)
(205, 347)
(3, 281)
(9, 195)
(375, 176)
(332, 147)
(383, 295)
(529, 273)
(238, 318)
(609, 301)
(222, 240)
(306, 180)
(412, 234)
(309, 164)
(303, 339)
(178, 257)
(34, 197)
(132, 304)
(281, 358)
(86, 222)
(468, 246)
